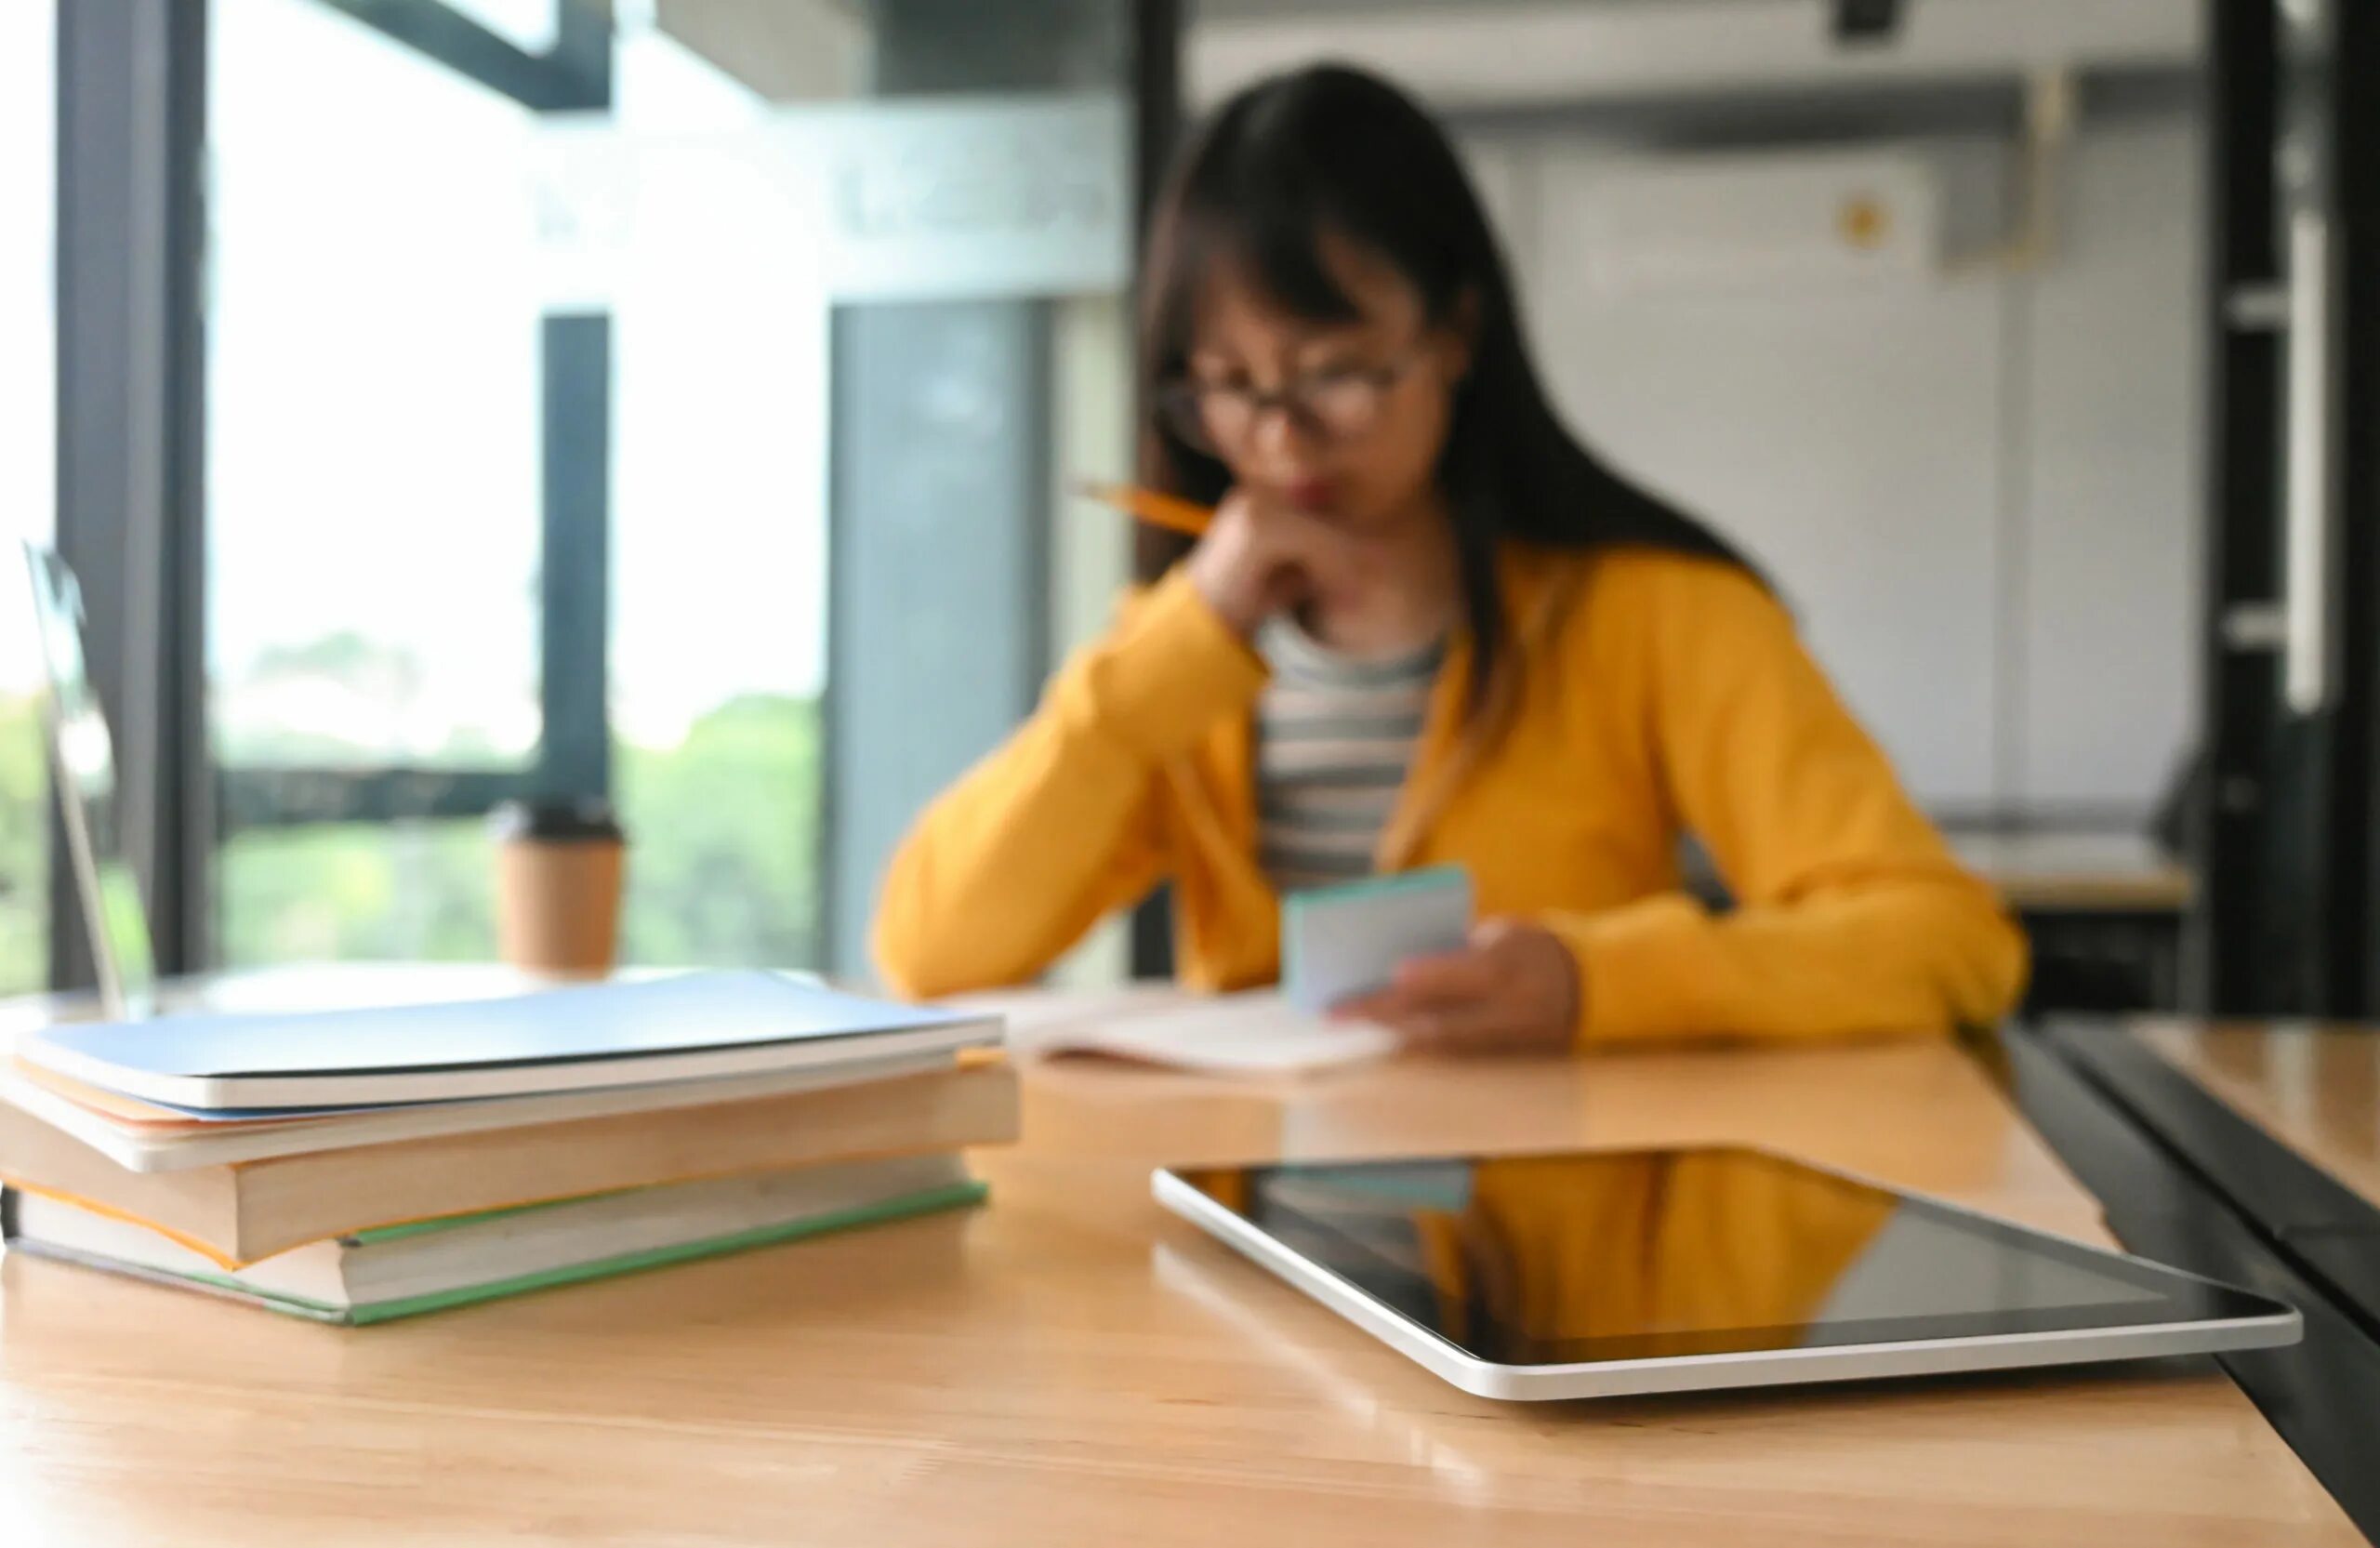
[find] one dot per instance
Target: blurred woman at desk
(1426, 626)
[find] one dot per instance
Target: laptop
(108, 899)
(115, 922)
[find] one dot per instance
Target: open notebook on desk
(1257, 1033)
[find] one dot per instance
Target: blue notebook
(697, 1026)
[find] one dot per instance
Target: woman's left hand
(1514, 989)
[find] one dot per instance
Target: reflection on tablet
(1642, 1254)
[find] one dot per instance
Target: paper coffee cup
(559, 867)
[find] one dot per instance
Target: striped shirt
(1334, 736)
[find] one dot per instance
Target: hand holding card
(1513, 989)
(1339, 943)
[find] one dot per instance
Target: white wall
(2105, 616)
(1468, 54)
(1975, 488)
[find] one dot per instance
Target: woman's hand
(1514, 989)
(1260, 557)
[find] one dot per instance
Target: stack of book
(368, 1165)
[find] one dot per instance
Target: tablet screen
(1567, 1259)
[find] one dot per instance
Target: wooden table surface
(2078, 872)
(1071, 1365)
(2315, 1089)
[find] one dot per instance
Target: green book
(403, 1271)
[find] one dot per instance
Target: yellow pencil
(1169, 511)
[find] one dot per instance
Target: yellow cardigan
(1654, 694)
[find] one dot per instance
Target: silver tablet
(1607, 1274)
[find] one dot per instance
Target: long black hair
(1334, 150)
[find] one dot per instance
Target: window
(372, 485)
(526, 348)
(380, 392)
(28, 487)
(717, 555)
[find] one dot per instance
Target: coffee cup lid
(555, 820)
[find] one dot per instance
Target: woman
(1428, 628)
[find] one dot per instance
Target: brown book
(240, 1213)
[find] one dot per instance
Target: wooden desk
(2104, 911)
(2078, 873)
(2314, 1088)
(1071, 1365)
(2266, 1139)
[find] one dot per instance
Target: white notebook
(698, 1026)
(1259, 1033)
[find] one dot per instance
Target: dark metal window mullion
(575, 751)
(130, 519)
(2232, 824)
(1156, 99)
(2355, 129)
(574, 72)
